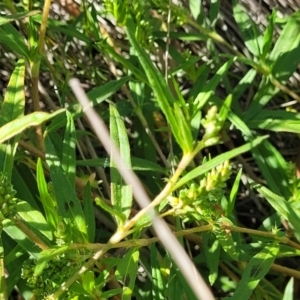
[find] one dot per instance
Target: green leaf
(276, 120)
(88, 281)
(113, 212)
(45, 197)
(46, 255)
(18, 16)
(99, 94)
(22, 178)
(88, 210)
(140, 76)
(17, 126)
(282, 207)
(285, 54)
(256, 269)
(195, 7)
(214, 12)
(268, 158)
(249, 30)
(34, 218)
(184, 133)
(138, 164)
(217, 161)
(209, 88)
(21, 238)
(211, 248)
(121, 193)
(109, 294)
(225, 109)
(161, 91)
(266, 91)
(289, 290)
(68, 151)
(68, 204)
(12, 39)
(11, 109)
(225, 238)
(157, 280)
(60, 26)
(268, 35)
(127, 268)
(241, 88)
(233, 193)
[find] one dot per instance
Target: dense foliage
(200, 98)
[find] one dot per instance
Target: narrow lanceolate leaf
(161, 91)
(209, 88)
(233, 193)
(11, 109)
(225, 238)
(157, 280)
(121, 193)
(10, 18)
(34, 218)
(276, 120)
(185, 131)
(289, 290)
(88, 210)
(249, 30)
(217, 160)
(256, 269)
(69, 145)
(268, 35)
(127, 270)
(68, 204)
(99, 94)
(21, 238)
(285, 54)
(211, 247)
(15, 127)
(45, 197)
(12, 39)
(46, 255)
(282, 207)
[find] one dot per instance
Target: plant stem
(35, 70)
(186, 159)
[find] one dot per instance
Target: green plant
(69, 226)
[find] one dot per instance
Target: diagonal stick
(162, 230)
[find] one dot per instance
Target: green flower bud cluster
(56, 272)
(212, 126)
(7, 199)
(197, 201)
